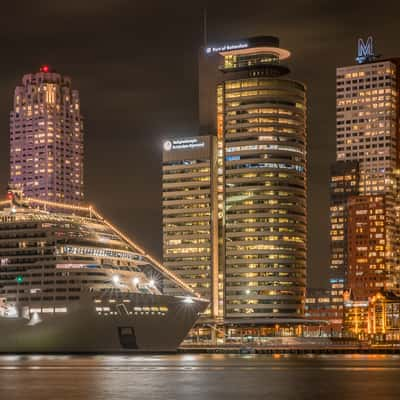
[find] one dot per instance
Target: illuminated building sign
(184, 144)
(71, 266)
(168, 145)
(226, 47)
(365, 50)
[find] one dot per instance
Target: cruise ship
(71, 282)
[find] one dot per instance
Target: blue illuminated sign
(365, 50)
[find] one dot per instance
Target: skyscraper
(367, 121)
(367, 132)
(46, 138)
(260, 118)
(190, 230)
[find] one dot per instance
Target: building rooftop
(252, 45)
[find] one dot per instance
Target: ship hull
(83, 330)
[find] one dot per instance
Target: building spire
(205, 38)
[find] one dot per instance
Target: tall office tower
(367, 121)
(190, 230)
(368, 132)
(261, 123)
(344, 183)
(46, 138)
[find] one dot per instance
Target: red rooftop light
(44, 68)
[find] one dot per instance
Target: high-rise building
(190, 231)
(261, 120)
(344, 182)
(46, 138)
(367, 127)
(368, 132)
(260, 175)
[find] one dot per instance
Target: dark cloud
(135, 65)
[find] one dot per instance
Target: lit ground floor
(255, 332)
(264, 333)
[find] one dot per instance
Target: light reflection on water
(222, 377)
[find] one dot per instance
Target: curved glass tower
(261, 122)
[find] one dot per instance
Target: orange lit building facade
(384, 317)
(371, 246)
(376, 320)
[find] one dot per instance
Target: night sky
(135, 65)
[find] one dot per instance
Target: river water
(222, 377)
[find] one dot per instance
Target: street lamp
(19, 279)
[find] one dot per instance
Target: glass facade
(265, 197)
(344, 183)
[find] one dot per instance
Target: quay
(289, 350)
(299, 346)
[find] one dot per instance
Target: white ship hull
(83, 330)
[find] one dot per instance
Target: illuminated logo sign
(226, 47)
(167, 145)
(365, 50)
(184, 144)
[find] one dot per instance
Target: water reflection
(222, 377)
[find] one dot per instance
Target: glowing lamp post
(19, 279)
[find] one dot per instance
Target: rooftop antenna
(205, 39)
